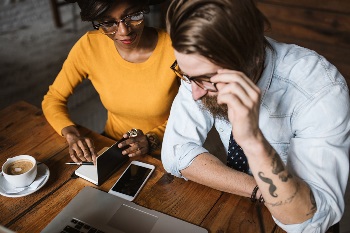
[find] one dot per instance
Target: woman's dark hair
(94, 10)
(230, 33)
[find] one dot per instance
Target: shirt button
(221, 129)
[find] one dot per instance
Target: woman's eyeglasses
(111, 27)
(203, 81)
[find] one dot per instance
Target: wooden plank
(309, 17)
(182, 199)
(315, 26)
(13, 209)
(38, 146)
(12, 114)
(43, 212)
(166, 193)
(23, 133)
(341, 6)
(174, 196)
(29, 133)
(237, 214)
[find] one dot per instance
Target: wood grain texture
(339, 6)
(237, 215)
(186, 200)
(309, 24)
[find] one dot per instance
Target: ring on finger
(133, 133)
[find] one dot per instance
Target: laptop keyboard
(78, 226)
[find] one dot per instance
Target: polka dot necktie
(236, 158)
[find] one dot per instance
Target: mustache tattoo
(272, 187)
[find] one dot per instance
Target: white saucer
(43, 170)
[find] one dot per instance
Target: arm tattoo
(288, 200)
(284, 177)
(313, 203)
(278, 167)
(272, 187)
(153, 142)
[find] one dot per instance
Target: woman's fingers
(138, 146)
(91, 147)
(137, 142)
(82, 149)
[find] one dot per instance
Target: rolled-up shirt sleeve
(319, 155)
(185, 133)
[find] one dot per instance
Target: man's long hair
(230, 33)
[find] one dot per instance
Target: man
(282, 113)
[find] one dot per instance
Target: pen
(81, 163)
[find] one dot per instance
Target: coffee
(19, 167)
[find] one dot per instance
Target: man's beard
(210, 104)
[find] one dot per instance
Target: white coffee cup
(20, 171)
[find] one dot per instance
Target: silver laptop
(106, 164)
(93, 210)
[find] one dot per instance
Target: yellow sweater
(136, 95)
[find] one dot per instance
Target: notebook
(93, 210)
(106, 164)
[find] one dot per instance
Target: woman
(128, 65)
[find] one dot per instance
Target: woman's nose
(123, 29)
(197, 92)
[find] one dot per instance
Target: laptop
(93, 210)
(106, 164)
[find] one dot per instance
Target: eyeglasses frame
(117, 22)
(196, 79)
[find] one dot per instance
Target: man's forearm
(208, 170)
(283, 192)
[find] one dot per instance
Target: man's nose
(197, 92)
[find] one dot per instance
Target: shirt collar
(269, 66)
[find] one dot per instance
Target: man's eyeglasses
(203, 81)
(111, 27)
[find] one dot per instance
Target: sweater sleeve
(54, 104)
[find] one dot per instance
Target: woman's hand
(80, 148)
(137, 142)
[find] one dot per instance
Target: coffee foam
(19, 167)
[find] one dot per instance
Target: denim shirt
(304, 115)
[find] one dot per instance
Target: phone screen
(131, 180)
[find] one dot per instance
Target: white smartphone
(132, 180)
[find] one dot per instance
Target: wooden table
(24, 130)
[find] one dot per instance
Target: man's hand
(242, 98)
